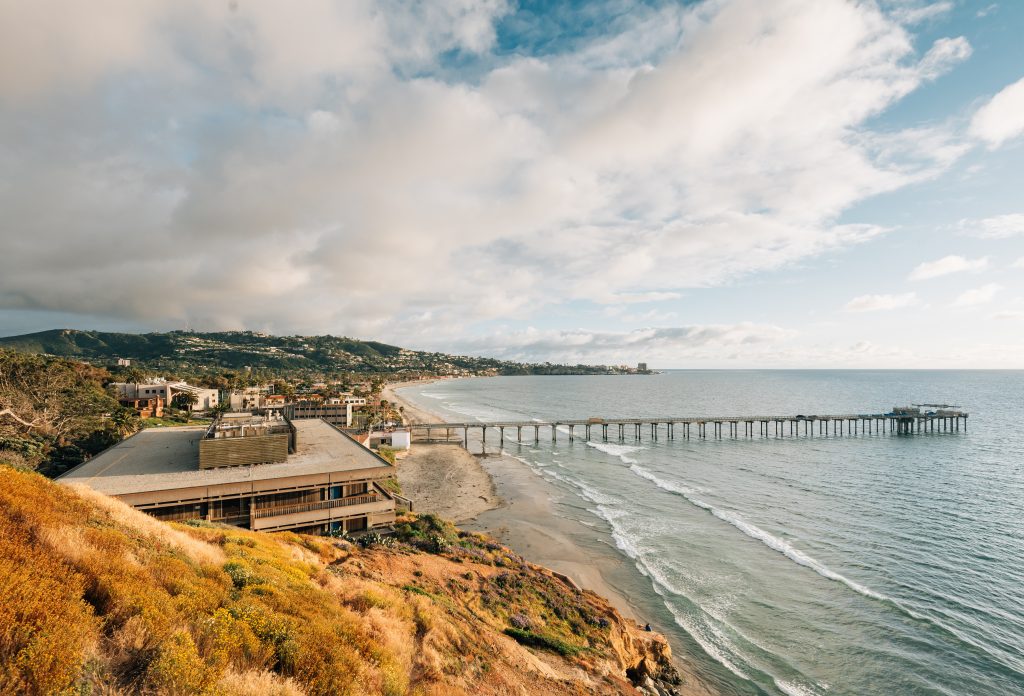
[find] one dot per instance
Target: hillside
(238, 349)
(54, 413)
(97, 598)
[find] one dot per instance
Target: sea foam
(620, 451)
(769, 540)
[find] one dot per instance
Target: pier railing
(775, 426)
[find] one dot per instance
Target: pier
(899, 421)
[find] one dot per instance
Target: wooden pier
(905, 421)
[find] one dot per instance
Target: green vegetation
(98, 598)
(543, 642)
(55, 413)
(387, 453)
(197, 354)
(172, 419)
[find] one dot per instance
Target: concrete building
(260, 473)
(337, 410)
(145, 408)
(399, 439)
(248, 399)
(129, 391)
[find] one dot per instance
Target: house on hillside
(132, 391)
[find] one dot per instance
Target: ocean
(867, 564)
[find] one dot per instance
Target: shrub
(537, 640)
(178, 670)
(375, 539)
(521, 621)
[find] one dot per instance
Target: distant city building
(124, 362)
(260, 473)
(132, 391)
(641, 367)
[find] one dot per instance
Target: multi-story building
(261, 473)
(130, 391)
(337, 410)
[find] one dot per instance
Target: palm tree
(185, 401)
(125, 422)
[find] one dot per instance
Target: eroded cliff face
(502, 625)
(98, 598)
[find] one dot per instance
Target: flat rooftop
(157, 459)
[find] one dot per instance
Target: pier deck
(903, 422)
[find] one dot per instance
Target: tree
(185, 401)
(124, 422)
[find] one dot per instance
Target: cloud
(1019, 263)
(1002, 118)
(997, 227)
(913, 13)
(642, 297)
(667, 345)
(1009, 314)
(386, 169)
(977, 296)
(947, 265)
(876, 303)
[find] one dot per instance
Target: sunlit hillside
(100, 599)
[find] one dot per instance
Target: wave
(817, 566)
(619, 451)
(710, 639)
(769, 540)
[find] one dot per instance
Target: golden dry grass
(98, 598)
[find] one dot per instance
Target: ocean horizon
(867, 564)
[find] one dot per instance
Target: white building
(249, 398)
(130, 391)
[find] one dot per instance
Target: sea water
(860, 564)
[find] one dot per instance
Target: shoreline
(520, 515)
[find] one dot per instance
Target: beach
(499, 495)
(449, 481)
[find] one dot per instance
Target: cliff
(97, 598)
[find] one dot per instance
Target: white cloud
(641, 297)
(997, 227)
(665, 346)
(977, 296)
(1019, 263)
(913, 13)
(947, 265)
(328, 169)
(1002, 118)
(875, 303)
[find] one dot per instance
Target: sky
(721, 184)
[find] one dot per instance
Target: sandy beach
(440, 478)
(447, 480)
(499, 495)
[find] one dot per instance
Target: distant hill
(238, 349)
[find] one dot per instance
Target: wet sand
(499, 495)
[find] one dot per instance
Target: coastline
(519, 514)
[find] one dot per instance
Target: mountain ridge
(241, 349)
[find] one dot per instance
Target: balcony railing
(276, 510)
